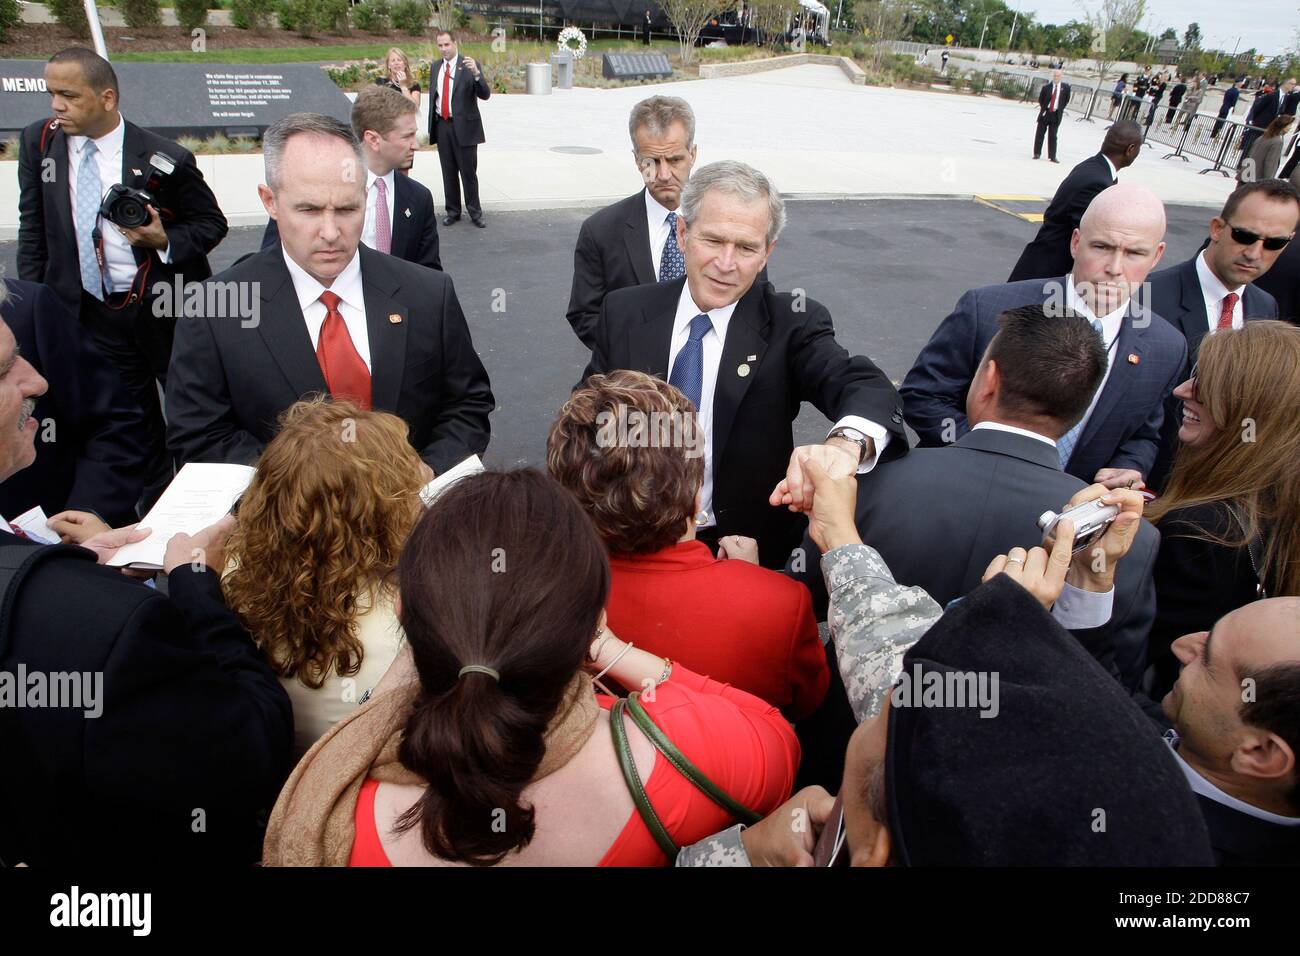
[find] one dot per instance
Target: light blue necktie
(89, 193)
(688, 370)
(671, 264)
(1065, 446)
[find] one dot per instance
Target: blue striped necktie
(688, 370)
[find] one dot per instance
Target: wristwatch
(853, 435)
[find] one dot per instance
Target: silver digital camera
(1090, 522)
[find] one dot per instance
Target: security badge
(744, 370)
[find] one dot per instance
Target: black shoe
(1055, 160)
(1036, 156)
(479, 222)
(449, 220)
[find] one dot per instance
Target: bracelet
(601, 646)
(618, 658)
(668, 670)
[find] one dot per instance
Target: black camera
(129, 207)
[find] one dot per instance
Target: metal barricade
(1082, 101)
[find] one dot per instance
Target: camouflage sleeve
(722, 849)
(873, 622)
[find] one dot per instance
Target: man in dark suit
(1230, 97)
(1117, 243)
(1266, 108)
(455, 127)
(161, 733)
(92, 435)
(1052, 100)
(400, 218)
(118, 280)
(1215, 288)
(1033, 384)
(746, 357)
(322, 313)
(1282, 282)
(1048, 254)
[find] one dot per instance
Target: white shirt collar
(1114, 173)
(388, 178)
(1211, 286)
(347, 286)
(688, 310)
(655, 213)
(110, 144)
(1001, 427)
(1206, 788)
(1075, 303)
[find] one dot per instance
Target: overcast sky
(1267, 25)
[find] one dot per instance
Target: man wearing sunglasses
(1215, 289)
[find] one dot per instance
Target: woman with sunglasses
(1230, 517)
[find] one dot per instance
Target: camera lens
(130, 212)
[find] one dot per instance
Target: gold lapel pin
(395, 318)
(743, 370)
(1133, 358)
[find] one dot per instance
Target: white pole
(96, 33)
(1014, 21)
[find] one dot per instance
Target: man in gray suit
(939, 515)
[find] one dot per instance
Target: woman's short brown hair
(628, 447)
(323, 521)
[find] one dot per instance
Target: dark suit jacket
(228, 384)
(1123, 429)
(1282, 282)
(194, 740)
(1176, 296)
(89, 457)
(1048, 253)
(47, 238)
(415, 224)
(1265, 109)
(1045, 99)
(798, 360)
(940, 515)
(613, 252)
(1230, 97)
(466, 91)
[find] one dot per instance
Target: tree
(770, 17)
(1169, 34)
(1192, 36)
(1114, 27)
(885, 20)
(688, 18)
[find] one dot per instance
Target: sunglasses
(1196, 392)
(1244, 237)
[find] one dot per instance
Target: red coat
(736, 622)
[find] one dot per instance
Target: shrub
(252, 14)
(373, 16)
(70, 14)
(411, 16)
(298, 15)
(978, 82)
(140, 13)
(478, 25)
(9, 17)
(345, 77)
(191, 14)
(332, 15)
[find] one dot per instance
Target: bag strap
(634, 785)
(687, 769)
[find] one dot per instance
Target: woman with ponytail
(488, 742)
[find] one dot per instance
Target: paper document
(33, 523)
(431, 491)
(198, 496)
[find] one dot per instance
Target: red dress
(740, 743)
(732, 620)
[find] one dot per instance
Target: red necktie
(1052, 107)
(1225, 314)
(345, 373)
(446, 90)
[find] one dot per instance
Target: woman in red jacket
(628, 447)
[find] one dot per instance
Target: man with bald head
(320, 312)
(1119, 240)
(1052, 100)
(1048, 254)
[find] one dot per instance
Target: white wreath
(573, 33)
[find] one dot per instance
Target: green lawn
(369, 51)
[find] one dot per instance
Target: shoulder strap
(687, 769)
(16, 562)
(634, 784)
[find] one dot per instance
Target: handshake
(821, 482)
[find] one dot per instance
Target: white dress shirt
(1001, 427)
(1114, 173)
(656, 217)
(1213, 292)
(711, 346)
(443, 67)
(1110, 328)
(1200, 785)
(119, 257)
(372, 197)
(347, 286)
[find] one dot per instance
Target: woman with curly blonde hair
(321, 525)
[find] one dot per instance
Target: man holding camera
(102, 262)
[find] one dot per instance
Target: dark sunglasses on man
(1244, 237)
